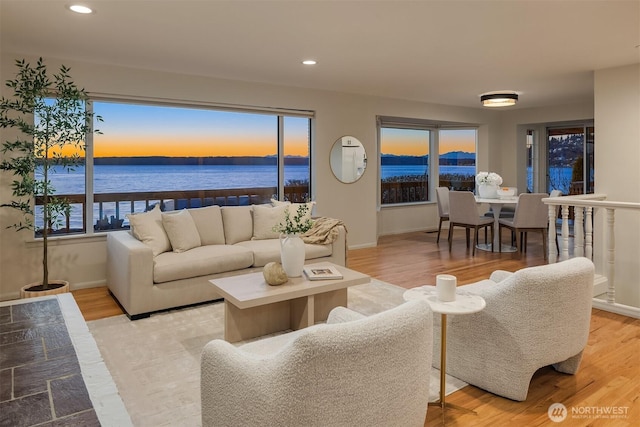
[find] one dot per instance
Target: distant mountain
(392, 159)
(458, 158)
(452, 158)
(458, 155)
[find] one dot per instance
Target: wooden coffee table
(253, 308)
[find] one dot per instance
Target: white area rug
(155, 362)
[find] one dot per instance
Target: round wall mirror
(348, 159)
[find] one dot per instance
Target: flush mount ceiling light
(499, 99)
(309, 62)
(78, 8)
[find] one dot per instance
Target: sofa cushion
(181, 230)
(265, 251)
(147, 227)
(238, 224)
(208, 221)
(265, 217)
(200, 261)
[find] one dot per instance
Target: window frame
(89, 191)
(434, 127)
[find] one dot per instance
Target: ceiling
(444, 52)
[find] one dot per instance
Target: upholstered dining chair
(531, 215)
(442, 196)
(535, 317)
(463, 212)
(352, 371)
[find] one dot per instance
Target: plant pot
(55, 287)
(292, 254)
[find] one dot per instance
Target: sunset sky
(132, 130)
(411, 142)
(137, 130)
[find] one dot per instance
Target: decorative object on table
(274, 274)
(506, 192)
(487, 184)
(322, 272)
(291, 244)
(49, 120)
(446, 287)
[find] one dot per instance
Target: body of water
(146, 178)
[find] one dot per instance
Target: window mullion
(280, 157)
(88, 174)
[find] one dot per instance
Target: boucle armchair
(535, 317)
(354, 370)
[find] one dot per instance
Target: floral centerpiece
(489, 178)
(487, 184)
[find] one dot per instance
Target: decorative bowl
(506, 192)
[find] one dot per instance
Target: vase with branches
(48, 114)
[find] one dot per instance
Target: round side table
(463, 304)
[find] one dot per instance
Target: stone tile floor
(40, 378)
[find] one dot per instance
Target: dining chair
(442, 196)
(531, 215)
(463, 212)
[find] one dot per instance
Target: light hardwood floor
(609, 377)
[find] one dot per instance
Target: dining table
(496, 207)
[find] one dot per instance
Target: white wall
(617, 160)
(82, 261)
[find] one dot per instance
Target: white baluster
(578, 234)
(611, 254)
(551, 244)
(588, 233)
(564, 248)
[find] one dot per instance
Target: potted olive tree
(49, 120)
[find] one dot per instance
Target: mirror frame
(348, 170)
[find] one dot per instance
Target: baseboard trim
(624, 310)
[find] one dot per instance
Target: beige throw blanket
(323, 231)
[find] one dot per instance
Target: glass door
(570, 165)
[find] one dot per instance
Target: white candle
(446, 287)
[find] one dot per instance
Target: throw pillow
(265, 218)
(181, 230)
(147, 227)
(209, 224)
(237, 222)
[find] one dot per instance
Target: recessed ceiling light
(78, 8)
(309, 62)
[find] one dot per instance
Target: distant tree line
(199, 161)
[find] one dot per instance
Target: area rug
(155, 362)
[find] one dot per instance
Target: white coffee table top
(463, 304)
(251, 290)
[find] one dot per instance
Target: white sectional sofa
(167, 259)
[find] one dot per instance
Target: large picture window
(181, 156)
(414, 151)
